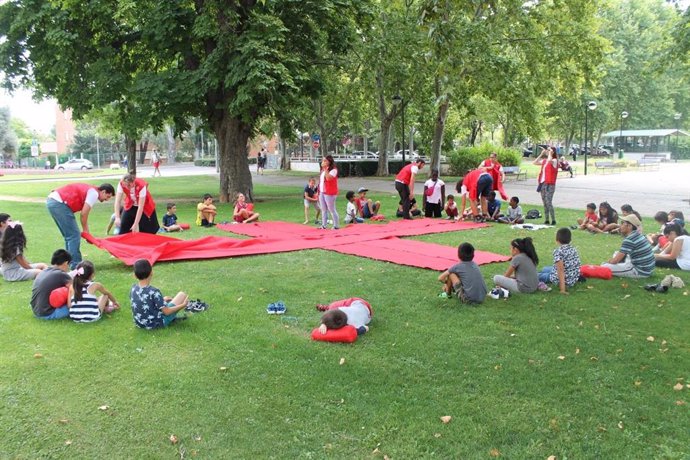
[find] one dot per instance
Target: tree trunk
(384, 136)
(235, 177)
(131, 155)
(143, 148)
(439, 127)
(284, 157)
(172, 144)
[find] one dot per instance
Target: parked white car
(75, 164)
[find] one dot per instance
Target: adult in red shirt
(546, 181)
(404, 184)
(139, 213)
(328, 188)
(493, 167)
(64, 202)
(476, 185)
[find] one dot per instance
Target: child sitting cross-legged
(565, 271)
(514, 214)
(150, 309)
(351, 210)
(464, 279)
(590, 217)
(170, 220)
(88, 299)
(244, 212)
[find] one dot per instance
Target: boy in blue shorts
(150, 309)
(170, 220)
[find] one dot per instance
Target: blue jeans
(58, 313)
(545, 274)
(67, 224)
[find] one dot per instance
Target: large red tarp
(379, 242)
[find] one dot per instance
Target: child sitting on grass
(565, 271)
(206, 212)
(170, 220)
(589, 218)
(464, 278)
(244, 212)
(355, 312)
(85, 304)
(521, 275)
(493, 205)
(351, 210)
(13, 264)
(451, 208)
(150, 309)
(514, 215)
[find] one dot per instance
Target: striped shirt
(85, 310)
(638, 248)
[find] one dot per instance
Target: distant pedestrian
(156, 162)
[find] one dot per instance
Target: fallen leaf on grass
(638, 383)
(663, 343)
(497, 367)
(680, 402)
(624, 285)
(685, 292)
(596, 326)
(551, 457)
(68, 442)
(63, 421)
(601, 429)
(495, 452)
(173, 439)
(342, 361)
(577, 351)
(239, 299)
(590, 287)
(386, 457)
(678, 386)
(103, 407)
(446, 418)
(197, 438)
(593, 358)
(223, 368)
(650, 338)
(561, 357)
(437, 435)
(620, 425)
(626, 296)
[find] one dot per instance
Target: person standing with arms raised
(139, 208)
(328, 186)
(64, 202)
(404, 184)
(548, 160)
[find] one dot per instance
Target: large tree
(228, 62)
(8, 138)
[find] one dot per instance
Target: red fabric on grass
(379, 242)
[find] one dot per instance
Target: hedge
(467, 158)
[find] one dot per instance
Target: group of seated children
(464, 280)
(206, 211)
(606, 221)
(360, 207)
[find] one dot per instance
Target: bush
(467, 158)
(205, 162)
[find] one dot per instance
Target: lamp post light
(591, 105)
(624, 115)
(677, 117)
(398, 100)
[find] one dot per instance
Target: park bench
(651, 164)
(605, 166)
(514, 172)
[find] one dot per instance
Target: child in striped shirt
(88, 299)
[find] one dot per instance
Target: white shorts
(308, 203)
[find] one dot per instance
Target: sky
(38, 115)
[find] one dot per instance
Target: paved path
(647, 191)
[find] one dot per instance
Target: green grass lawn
(588, 375)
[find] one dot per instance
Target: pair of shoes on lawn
(542, 286)
(277, 308)
(196, 306)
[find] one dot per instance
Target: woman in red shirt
(139, 208)
(328, 188)
(547, 181)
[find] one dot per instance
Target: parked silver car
(75, 164)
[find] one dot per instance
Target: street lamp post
(677, 117)
(398, 100)
(624, 115)
(591, 105)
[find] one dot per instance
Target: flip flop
(271, 309)
(280, 308)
